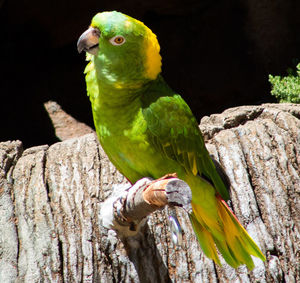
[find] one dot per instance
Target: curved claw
(176, 231)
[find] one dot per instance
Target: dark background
(217, 54)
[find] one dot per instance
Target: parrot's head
(122, 50)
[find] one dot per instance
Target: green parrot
(148, 130)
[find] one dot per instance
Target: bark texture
(51, 197)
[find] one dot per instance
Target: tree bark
(51, 199)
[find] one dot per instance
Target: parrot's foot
(126, 212)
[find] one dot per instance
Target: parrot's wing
(174, 132)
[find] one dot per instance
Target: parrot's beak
(89, 41)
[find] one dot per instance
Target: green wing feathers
(174, 132)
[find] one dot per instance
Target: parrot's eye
(117, 40)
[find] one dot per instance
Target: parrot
(148, 130)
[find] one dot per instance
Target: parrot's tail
(226, 233)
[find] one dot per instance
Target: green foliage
(287, 89)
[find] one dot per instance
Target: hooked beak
(89, 41)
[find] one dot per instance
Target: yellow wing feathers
(225, 233)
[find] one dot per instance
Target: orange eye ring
(117, 40)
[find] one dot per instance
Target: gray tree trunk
(50, 200)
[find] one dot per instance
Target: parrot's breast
(123, 137)
(128, 145)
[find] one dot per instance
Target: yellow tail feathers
(225, 233)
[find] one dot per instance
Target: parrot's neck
(110, 103)
(120, 93)
(114, 97)
(118, 85)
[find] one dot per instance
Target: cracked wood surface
(50, 199)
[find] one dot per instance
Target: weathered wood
(51, 198)
(9, 243)
(66, 127)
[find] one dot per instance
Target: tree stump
(51, 198)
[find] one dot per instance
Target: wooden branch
(169, 190)
(126, 212)
(53, 199)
